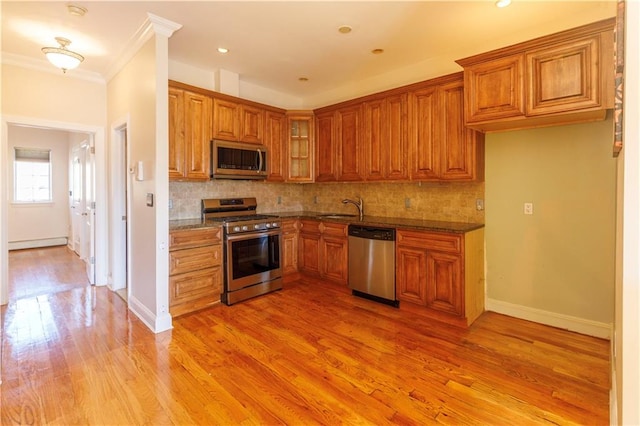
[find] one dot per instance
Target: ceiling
(273, 44)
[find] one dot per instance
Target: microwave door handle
(259, 160)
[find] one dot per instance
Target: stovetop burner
(242, 218)
(238, 215)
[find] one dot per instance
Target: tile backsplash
(417, 200)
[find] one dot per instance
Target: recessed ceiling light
(503, 3)
(377, 51)
(345, 29)
(223, 50)
(303, 79)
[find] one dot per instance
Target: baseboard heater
(46, 242)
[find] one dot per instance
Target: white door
(76, 201)
(88, 222)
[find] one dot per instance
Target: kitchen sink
(336, 216)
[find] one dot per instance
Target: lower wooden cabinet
(290, 247)
(323, 250)
(442, 272)
(195, 269)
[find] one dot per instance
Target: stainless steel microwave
(237, 160)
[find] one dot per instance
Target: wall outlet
(407, 203)
(315, 199)
(528, 208)
(170, 203)
(279, 199)
(479, 204)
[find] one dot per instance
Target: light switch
(528, 208)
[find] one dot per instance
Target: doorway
(99, 240)
(120, 190)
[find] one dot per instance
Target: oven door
(252, 258)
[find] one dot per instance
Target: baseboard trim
(579, 325)
(45, 242)
(156, 324)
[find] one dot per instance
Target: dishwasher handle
(372, 232)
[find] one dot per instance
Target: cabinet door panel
(326, 151)
(348, 143)
(411, 275)
(252, 122)
(275, 142)
(459, 145)
(197, 135)
(424, 149)
(181, 261)
(176, 133)
(204, 285)
(495, 89)
(309, 253)
(374, 139)
(564, 78)
(395, 152)
(334, 259)
(299, 151)
(226, 120)
(444, 283)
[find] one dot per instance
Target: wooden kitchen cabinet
(274, 140)
(385, 138)
(195, 269)
(290, 235)
(300, 147)
(323, 250)
(442, 148)
(562, 78)
(339, 153)
(237, 121)
(189, 135)
(441, 271)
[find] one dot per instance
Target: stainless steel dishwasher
(372, 263)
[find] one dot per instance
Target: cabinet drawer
(181, 261)
(309, 226)
(449, 243)
(194, 237)
(337, 229)
(206, 283)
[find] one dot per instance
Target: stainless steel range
(251, 248)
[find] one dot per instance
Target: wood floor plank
(309, 354)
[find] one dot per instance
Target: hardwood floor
(309, 354)
(39, 271)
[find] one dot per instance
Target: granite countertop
(393, 222)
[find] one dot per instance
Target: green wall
(561, 258)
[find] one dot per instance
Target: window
(32, 175)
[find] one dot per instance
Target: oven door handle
(256, 234)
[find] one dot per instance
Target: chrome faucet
(358, 204)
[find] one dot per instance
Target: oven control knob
(256, 226)
(236, 229)
(274, 224)
(268, 225)
(245, 228)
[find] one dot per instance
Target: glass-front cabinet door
(300, 146)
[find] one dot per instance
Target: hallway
(40, 271)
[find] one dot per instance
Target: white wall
(40, 221)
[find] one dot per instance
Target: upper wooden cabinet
(562, 78)
(299, 146)
(441, 147)
(274, 140)
(385, 138)
(339, 153)
(235, 121)
(189, 135)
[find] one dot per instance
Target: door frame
(100, 237)
(120, 180)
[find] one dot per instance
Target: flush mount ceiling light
(76, 10)
(303, 79)
(62, 57)
(503, 3)
(377, 51)
(345, 29)
(223, 50)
